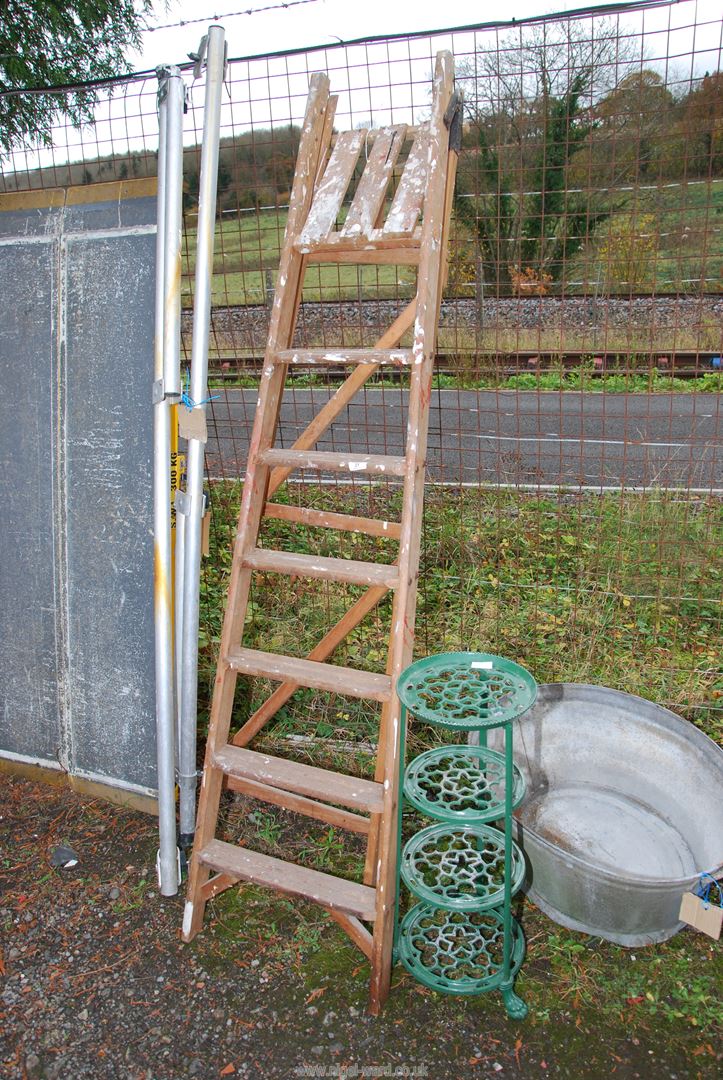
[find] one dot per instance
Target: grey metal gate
(76, 550)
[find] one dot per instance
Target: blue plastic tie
(188, 401)
(704, 888)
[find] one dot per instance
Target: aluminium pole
(176, 100)
(178, 591)
(193, 503)
(163, 566)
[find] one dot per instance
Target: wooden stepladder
(414, 232)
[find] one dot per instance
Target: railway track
(492, 307)
(687, 364)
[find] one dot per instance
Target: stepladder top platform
(377, 213)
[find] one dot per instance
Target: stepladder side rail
(351, 202)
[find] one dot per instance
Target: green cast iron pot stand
(461, 938)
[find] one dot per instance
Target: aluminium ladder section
(363, 806)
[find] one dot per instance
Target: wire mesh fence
(572, 519)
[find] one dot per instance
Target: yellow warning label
(178, 473)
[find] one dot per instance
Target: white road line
(491, 485)
(580, 439)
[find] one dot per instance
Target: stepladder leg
(198, 875)
(370, 863)
(386, 860)
(208, 806)
(383, 941)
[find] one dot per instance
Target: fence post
(479, 290)
(192, 504)
(167, 351)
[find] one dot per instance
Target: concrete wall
(76, 552)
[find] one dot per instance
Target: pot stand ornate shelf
(460, 937)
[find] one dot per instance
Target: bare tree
(530, 104)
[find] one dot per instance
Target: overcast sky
(680, 42)
(324, 21)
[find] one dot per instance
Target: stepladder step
(333, 787)
(339, 680)
(307, 515)
(332, 357)
(328, 461)
(317, 566)
(333, 892)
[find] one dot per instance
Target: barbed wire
(285, 4)
(620, 7)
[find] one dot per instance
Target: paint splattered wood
(295, 776)
(341, 680)
(393, 357)
(317, 196)
(409, 197)
(333, 187)
(299, 564)
(372, 188)
(329, 461)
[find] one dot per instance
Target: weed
(268, 828)
(325, 851)
(131, 898)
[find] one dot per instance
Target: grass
(246, 259)
(670, 988)
(580, 379)
(276, 976)
(664, 995)
(688, 226)
(618, 589)
(689, 246)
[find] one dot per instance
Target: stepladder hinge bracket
(453, 121)
(188, 504)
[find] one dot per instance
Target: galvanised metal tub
(624, 809)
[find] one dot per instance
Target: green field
(684, 224)
(248, 245)
(681, 227)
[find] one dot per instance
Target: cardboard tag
(708, 918)
(206, 533)
(192, 424)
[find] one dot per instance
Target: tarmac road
(593, 440)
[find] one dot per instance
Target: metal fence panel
(110, 312)
(29, 713)
(77, 572)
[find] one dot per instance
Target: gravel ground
(96, 982)
(249, 324)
